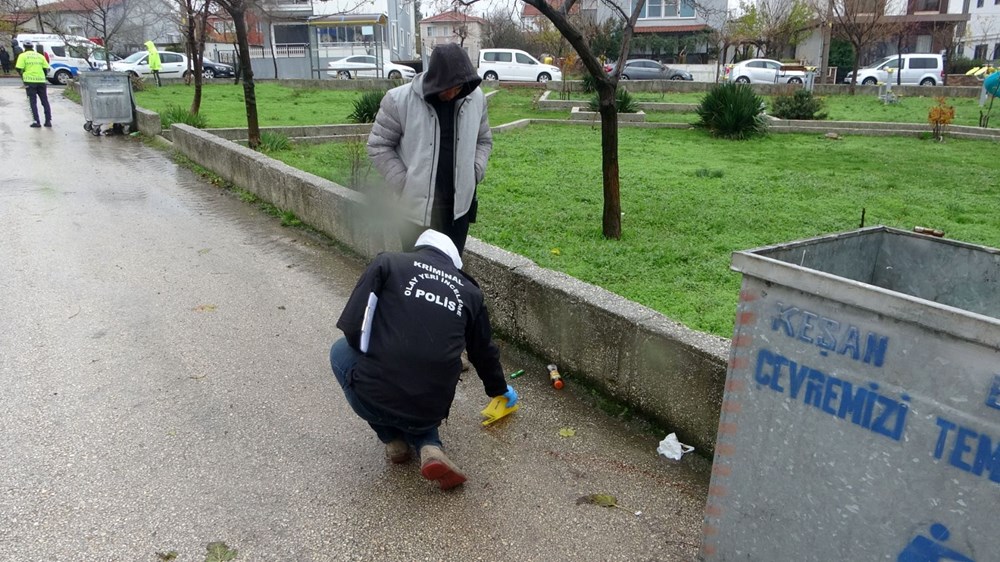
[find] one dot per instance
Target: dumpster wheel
(88, 125)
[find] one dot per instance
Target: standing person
(154, 61)
(4, 60)
(16, 50)
(431, 141)
(405, 325)
(33, 68)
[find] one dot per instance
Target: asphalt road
(165, 380)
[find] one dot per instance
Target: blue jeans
(388, 427)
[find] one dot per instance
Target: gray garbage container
(106, 98)
(861, 417)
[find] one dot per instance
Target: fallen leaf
(567, 432)
(204, 308)
(603, 500)
(556, 251)
(220, 552)
(167, 556)
(204, 251)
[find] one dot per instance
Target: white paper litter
(671, 448)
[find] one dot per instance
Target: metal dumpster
(106, 98)
(861, 416)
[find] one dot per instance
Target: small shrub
(939, 116)
(708, 173)
(624, 102)
(589, 83)
(732, 111)
(175, 114)
(366, 107)
(801, 104)
(273, 142)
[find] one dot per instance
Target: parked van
(925, 69)
(513, 64)
(68, 55)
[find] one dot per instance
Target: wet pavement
(165, 379)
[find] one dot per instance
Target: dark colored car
(212, 69)
(646, 69)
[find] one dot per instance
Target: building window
(657, 9)
(980, 52)
(430, 31)
(996, 51)
(979, 3)
(395, 34)
(928, 6)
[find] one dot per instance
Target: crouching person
(405, 326)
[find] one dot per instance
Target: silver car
(646, 69)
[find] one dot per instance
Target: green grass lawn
(222, 105)
(688, 200)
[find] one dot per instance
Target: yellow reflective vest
(33, 67)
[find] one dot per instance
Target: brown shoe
(434, 465)
(398, 451)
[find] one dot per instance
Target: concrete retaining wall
(766, 89)
(865, 128)
(547, 103)
(634, 353)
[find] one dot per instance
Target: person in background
(405, 325)
(4, 60)
(41, 51)
(33, 68)
(431, 141)
(154, 61)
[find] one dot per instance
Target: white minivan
(926, 69)
(513, 64)
(68, 55)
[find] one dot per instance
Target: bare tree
(237, 10)
(195, 29)
(862, 23)
(501, 30)
(18, 12)
(105, 19)
(606, 86)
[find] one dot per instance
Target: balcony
(289, 7)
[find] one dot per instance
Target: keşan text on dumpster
(865, 405)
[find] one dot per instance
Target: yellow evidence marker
(497, 409)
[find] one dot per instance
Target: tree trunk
(249, 95)
(856, 65)
(612, 218)
(192, 49)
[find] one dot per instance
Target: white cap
(438, 240)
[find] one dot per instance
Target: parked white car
(925, 69)
(762, 71)
(366, 66)
(172, 65)
(514, 64)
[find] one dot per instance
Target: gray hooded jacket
(404, 141)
